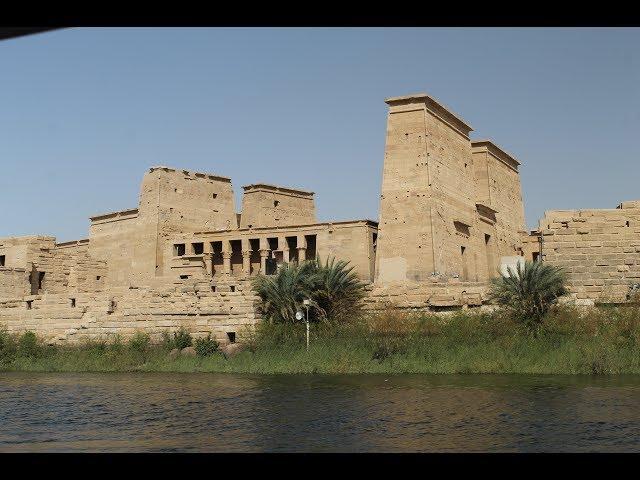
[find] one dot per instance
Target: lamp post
(300, 316)
(306, 303)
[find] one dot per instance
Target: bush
(180, 339)
(333, 288)
(167, 341)
(529, 292)
(139, 342)
(206, 346)
(8, 346)
(28, 345)
(116, 344)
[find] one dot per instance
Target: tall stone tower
(427, 204)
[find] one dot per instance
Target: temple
(451, 217)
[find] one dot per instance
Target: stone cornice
(435, 107)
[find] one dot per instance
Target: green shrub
(139, 342)
(8, 347)
(385, 347)
(116, 344)
(206, 346)
(167, 341)
(529, 292)
(28, 345)
(180, 339)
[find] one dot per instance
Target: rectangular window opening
(198, 248)
(178, 249)
(232, 337)
(29, 303)
(3, 258)
(73, 302)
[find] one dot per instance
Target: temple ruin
(451, 217)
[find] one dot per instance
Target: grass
(595, 341)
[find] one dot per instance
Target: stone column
(208, 258)
(226, 263)
(285, 255)
(302, 248)
(226, 257)
(264, 254)
(246, 262)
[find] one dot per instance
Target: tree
(333, 288)
(529, 291)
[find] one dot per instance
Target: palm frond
(529, 290)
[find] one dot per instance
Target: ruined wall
(431, 296)
(14, 282)
(271, 206)
(126, 311)
(20, 252)
(71, 269)
(599, 249)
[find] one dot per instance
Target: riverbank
(596, 341)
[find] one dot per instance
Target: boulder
(188, 352)
(231, 349)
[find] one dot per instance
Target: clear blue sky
(84, 112)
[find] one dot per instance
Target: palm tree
(337, 290)
(283, 293)
(529, 292)
(333, 288)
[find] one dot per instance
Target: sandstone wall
(71, 269)
(129, 250)
(352, 242)
(405, 247)
(14, 282)
(20, 252)
(599, 249)
(271, 206)
(425, 296)
(125, 311)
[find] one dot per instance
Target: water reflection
(211, 412)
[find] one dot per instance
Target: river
(181, 412)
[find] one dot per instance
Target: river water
(167, 412)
